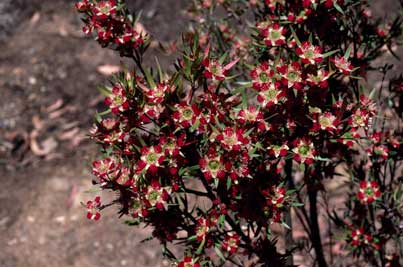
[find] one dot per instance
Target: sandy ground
(48, 78)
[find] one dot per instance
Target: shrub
(251, 124)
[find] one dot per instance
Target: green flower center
(152, 157)
(232, 243)
(316, 79)
(214, 69)
(214, 165)
(187, 114)
(159, 93)
(263, 77)
(303, 150)
(105, 9)
(153, 196)
(369, 191)
(230, 140)
(309, 54)
(358, 119)
(275, 35)
(292, 76)
(136, 205)
(324, 121)
(103, 168)
(250, 116)
(202, 230)
(271, 94)
(118, 100)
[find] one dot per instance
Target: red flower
(271, 96)
(202, 229)
(249, 115)
(368, 192)
(291, 75)
(104, 9)
(150, 111)
(380, 151)
(138, 208)
(158, 93)
(360, 118)
(212, 166)
(83, 5)
(343, 65)
(186, 115)
(278, 151)
(93, 209)
(231, 243)
(304, 151)
(359, 238)
(189, 262)
(325, 121)
(214, 70)
(273, 35)
(261, 76)
(125, 177)
(130, 36)
(309, 53)
(156, 196)
(232, 139)
(102, 168)
(151, 158)
(320, 78)
(272, 3)
(117, 101)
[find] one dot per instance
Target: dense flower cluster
(244, 113)
(110, 23)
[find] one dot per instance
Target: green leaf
(195, 40)
(181, 171)
(222, 58)
(201, 247)
(134, 222)
(248, 132)
(104, 90)
(229, 183)
(216, 182)
(295, 37)
(161, 76)
(338, 8)
(179, 199)
(285, 225)
(105, 112)
(219, 253)
(194, 167)
(192, 238)
(141, 140)
(328, 54)
(348, 52)
(319, 158)
(220, 221)
(195, 125)
(398, 194)
(372, 94)
(149, 78)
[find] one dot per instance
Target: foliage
(208, 155)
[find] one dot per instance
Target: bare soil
(48, 78)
